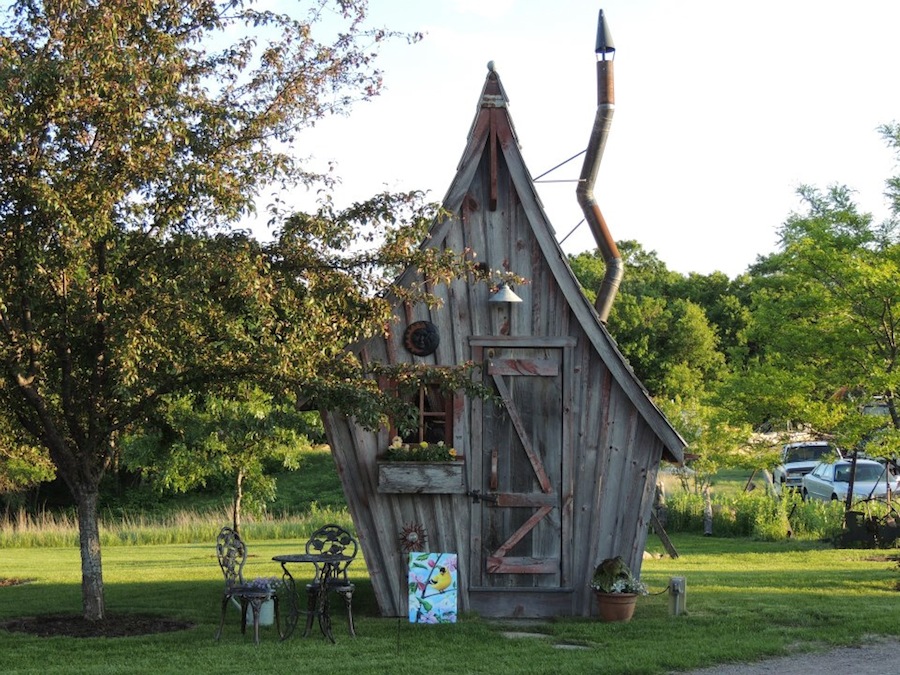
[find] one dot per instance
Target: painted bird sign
(433, 587)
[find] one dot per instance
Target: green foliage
(133, 135)
(725, 302)
(824, 322)
(22, 464)
(46, 530)
(22, 467)
(667, 339)
(661, 323)
(815, 519)
(242, 435)
(316, 485)
(891, 135)
(715, 443)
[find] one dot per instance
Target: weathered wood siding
(575, 472)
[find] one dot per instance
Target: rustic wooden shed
(559, 470)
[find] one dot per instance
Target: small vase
(616, 606)
(266, 612)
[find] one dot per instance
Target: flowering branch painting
(433, 588)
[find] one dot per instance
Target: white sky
(723, 108)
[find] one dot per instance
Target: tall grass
(761, 516)
(46, 529)
(739, 514)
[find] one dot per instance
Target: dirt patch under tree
(114, 625)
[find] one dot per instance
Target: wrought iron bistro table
(326, 568)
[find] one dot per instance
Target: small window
(433, 413)
(434, 417)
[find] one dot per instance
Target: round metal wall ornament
(413, 537)
(421, 338)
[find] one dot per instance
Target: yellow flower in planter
(398, 451)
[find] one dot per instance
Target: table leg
(324, 611)
(293, 598)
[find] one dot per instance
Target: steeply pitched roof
(492, 121)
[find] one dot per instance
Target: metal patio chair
(232, 554)
(331, 541)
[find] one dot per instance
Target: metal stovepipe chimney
(585, 192)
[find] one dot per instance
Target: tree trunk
(848, 503)
(238, 495)
(707, 513)
(892, 409)
(91, 566)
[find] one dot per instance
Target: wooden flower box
(421, 477)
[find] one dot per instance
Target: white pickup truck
(798, 459)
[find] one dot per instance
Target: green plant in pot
(616, 589)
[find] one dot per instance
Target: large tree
(130, 134)
(823, 340)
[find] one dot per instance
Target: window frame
(419, 399)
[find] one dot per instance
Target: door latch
(477, 497)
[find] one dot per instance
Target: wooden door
(522, 464)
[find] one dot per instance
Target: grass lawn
(745, 600)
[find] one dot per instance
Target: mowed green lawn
(745, 600)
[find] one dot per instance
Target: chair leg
(222, 621)
(243, 616)
(256, 605)
(348, 601)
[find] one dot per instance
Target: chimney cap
(605, 44)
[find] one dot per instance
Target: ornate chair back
(333, 540)
(232, 554)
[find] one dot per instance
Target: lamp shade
(505, 294)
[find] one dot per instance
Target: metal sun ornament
(413, 538)
(421, 338)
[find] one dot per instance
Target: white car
(798, 459)
(832, 481)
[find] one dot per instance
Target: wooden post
(707, 513)
(663, 537)
(770, 484)
(750, 486)
(659, 505)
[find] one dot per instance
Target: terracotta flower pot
(616, 606)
